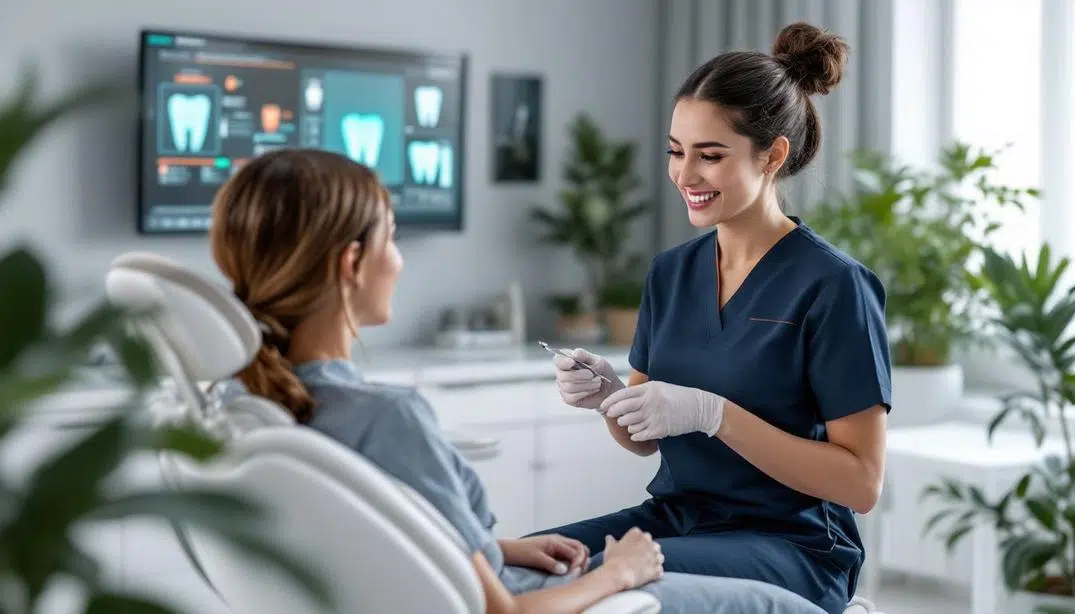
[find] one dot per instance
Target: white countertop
(427, 365)
(967, 443)
(98, 390)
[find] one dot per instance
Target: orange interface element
(187, 78)
(270, 117)
(164, 163)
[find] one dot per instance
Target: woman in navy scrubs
(760, 364)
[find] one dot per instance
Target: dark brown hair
(278, 229)
(768, 95)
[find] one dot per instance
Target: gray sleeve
(409, 445)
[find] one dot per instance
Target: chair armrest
(860, 605)
(627, 602)
(472, 447)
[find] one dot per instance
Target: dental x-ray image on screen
(517, 126)
(210, 103)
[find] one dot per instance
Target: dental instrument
(578, 363)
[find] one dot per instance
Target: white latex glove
(580, 388)
(655, 410)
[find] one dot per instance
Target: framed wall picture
(517, 126)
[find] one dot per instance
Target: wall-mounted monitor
(209, 103)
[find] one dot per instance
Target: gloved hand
(580, 388)
(654, 410)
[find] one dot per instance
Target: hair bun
(814, 58)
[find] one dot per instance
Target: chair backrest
(380, 546)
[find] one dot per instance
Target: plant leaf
(955, 536)
(186, 439)
(204, 508)
(23, 310)
(1044, 511)
(116, 603)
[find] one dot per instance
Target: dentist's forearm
(817, 468)
(620, 433)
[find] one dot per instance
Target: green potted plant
(597, 208)
(1035, 520)
(70, 490)
(621, 299)
(920, 231)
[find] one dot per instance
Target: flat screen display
(209, 103)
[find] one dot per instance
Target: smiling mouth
(698, 199)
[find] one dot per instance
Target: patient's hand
(636, 558)
(555, 554)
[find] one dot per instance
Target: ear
(777, 155)
(349, 265)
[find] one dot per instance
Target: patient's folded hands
(555, 554)
(635, 558)
(580, 388)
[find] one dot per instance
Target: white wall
(74, 194)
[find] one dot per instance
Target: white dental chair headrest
(199, 331)
(211, 331)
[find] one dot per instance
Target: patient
(306, 238)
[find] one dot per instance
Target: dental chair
(380, 546)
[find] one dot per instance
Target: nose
(684, 172)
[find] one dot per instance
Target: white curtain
(856, 115)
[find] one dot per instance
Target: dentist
(760, 366)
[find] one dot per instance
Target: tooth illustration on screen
(362, 136)
(445, 174)
(189, 118)
(427, 103)
(425, 160)
(314, 94)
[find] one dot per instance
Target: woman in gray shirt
(306, 237)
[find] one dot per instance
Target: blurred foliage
(597, 208)
(1032, 308)
(921, 232)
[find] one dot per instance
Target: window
(997, 100)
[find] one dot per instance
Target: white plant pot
(925, 395)
(1027, 603)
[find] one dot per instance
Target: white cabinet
(511, 493)
(903, 547)
(584, 473)
(923, 455)
(558, 464)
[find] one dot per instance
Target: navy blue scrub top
(801, 341)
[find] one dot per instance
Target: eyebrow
(701, 145)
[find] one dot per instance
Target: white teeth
(431, 163)
(189, 117)
(427, 101)
(447, 171)
(362, 137)
(700, 198)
